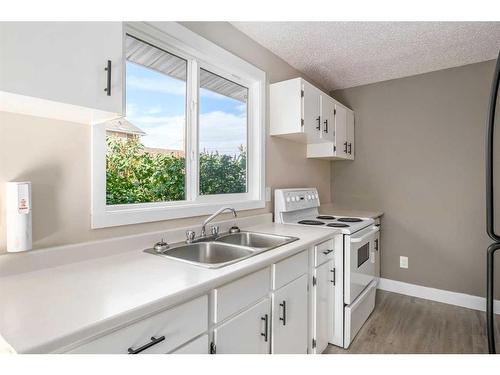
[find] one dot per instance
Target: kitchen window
(192, 138)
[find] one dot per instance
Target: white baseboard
(438, 295)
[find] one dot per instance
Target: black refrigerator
(490, 211)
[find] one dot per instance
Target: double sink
(223, 250)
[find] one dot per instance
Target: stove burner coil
(350, 219)
(311, 222)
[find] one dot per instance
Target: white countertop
(53, 309)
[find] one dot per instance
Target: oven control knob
(288, 199)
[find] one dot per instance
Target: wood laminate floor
(403, 324)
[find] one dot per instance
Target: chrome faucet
(211, 217)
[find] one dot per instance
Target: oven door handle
(365, 236)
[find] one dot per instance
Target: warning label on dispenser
(23, 205)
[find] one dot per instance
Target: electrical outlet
(268, 194)
(403, 262)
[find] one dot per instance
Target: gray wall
(420, 158)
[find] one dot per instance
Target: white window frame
(199, 52)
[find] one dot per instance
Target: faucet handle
(215, 230)
(161, 246)
(190, 235)
(234, 229)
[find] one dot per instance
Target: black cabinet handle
(326, 126)
(326, 252)
(283, 319)
(318, 127)
(334, 274)
(345, 147)
(376, 244)
(108, 83)
(153, 341)
(265, 318)
(350, 148)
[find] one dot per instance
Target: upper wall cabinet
(65, 70)
(303, 113)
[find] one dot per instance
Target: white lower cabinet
(289, 333)
(323, 305)
(376, 246)
(197, 346)
(272, 310)
(237, 295)
(246, 333)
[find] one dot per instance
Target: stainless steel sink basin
(212, 254)
(255, 240)
(223, 250)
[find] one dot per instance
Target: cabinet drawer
(323, 252)
(178, 325)
(246, 333)
(233, 297)
(289, 269)
(358, 312)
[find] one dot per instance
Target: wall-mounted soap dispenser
(19, 212)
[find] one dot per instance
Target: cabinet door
(63, 62)
(327, 118)
(311, 112)
(290, 318)
(350, 133)
(246, 333)
(324, 302)
(197, 346)
(376, 246)
(341, 131)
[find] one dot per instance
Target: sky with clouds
(156, 104)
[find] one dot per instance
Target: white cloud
(161, 131)
(131, 109)
(220, 131)
(153, 110)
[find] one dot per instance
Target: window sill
(116, 217)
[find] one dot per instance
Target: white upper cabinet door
(311, 112)
(324, 299)
(327, 118)
(246, 333)
(290, 318)
(350, 133)
(63, 62)
(341, 142)
(285, 110)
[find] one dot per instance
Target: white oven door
(360, 267)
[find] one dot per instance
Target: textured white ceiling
(346, 54)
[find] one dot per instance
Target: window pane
(145, 156)
(222, 135)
